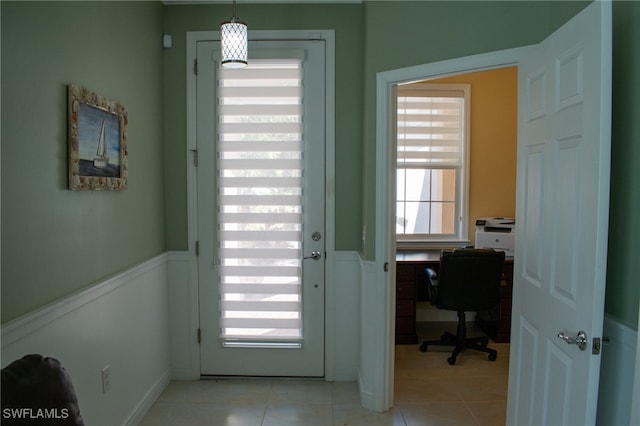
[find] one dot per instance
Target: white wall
(373, 340)
(343, 317)
(122, 322)
(183, 318)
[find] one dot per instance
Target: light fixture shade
(233, 42)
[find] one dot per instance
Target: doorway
(492, 134)
(581, 45)
(385, 246)
(232, 339)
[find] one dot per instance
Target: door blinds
(260, 169)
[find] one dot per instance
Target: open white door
(562, 222)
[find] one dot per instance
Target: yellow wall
(493, 142)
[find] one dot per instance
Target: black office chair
(468, 280)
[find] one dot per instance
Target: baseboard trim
(366, 396)
(149, 399)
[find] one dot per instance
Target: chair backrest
(469, 279)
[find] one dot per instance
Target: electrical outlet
(106, 379)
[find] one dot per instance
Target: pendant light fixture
(233, 42)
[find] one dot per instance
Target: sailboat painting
(99, 135)
(97, 142)
(101, 161)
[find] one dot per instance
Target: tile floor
(428, 392)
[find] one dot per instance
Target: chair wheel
(451, 360)
(492, 357)
(423, 347)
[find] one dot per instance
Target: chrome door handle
(580, 339)
(315, 255)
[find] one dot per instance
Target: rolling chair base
(461, 342)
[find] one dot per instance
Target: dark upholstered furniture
(37, 390)
(468, 280)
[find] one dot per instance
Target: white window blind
(260, 169)
(432, 133)
(430, 128)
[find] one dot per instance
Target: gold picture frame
(98, 148)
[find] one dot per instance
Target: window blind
(260, 169)
(430, 128)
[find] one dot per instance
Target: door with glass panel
(261, 210)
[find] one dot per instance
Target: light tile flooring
(428, 392)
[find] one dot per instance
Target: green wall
(346, 20)
(435, 31)
(623, 285)
(56, 241)
(403, 34)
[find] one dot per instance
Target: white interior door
(562, 222)
(261, 210)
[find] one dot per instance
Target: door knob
(580, 339)
(315, 255)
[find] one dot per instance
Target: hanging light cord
(233, 11)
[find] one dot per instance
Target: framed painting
(98, 149)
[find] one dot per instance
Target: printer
(497, 233)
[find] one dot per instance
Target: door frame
(385, 246)
(193, 37)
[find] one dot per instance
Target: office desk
(411, 288)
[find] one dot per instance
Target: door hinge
(199, 333)
(195, 66)
(195, 157)
(197, 248)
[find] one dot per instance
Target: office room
(491, 118)
(110, 278)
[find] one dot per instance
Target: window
(432, 166)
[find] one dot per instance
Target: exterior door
(261, 210)
(562, 222)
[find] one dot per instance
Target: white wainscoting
(343, 317)
(615, 395)
(142, 322)
(183, 317)
(122, 322)
(370, 347)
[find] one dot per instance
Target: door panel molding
(574, 205)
